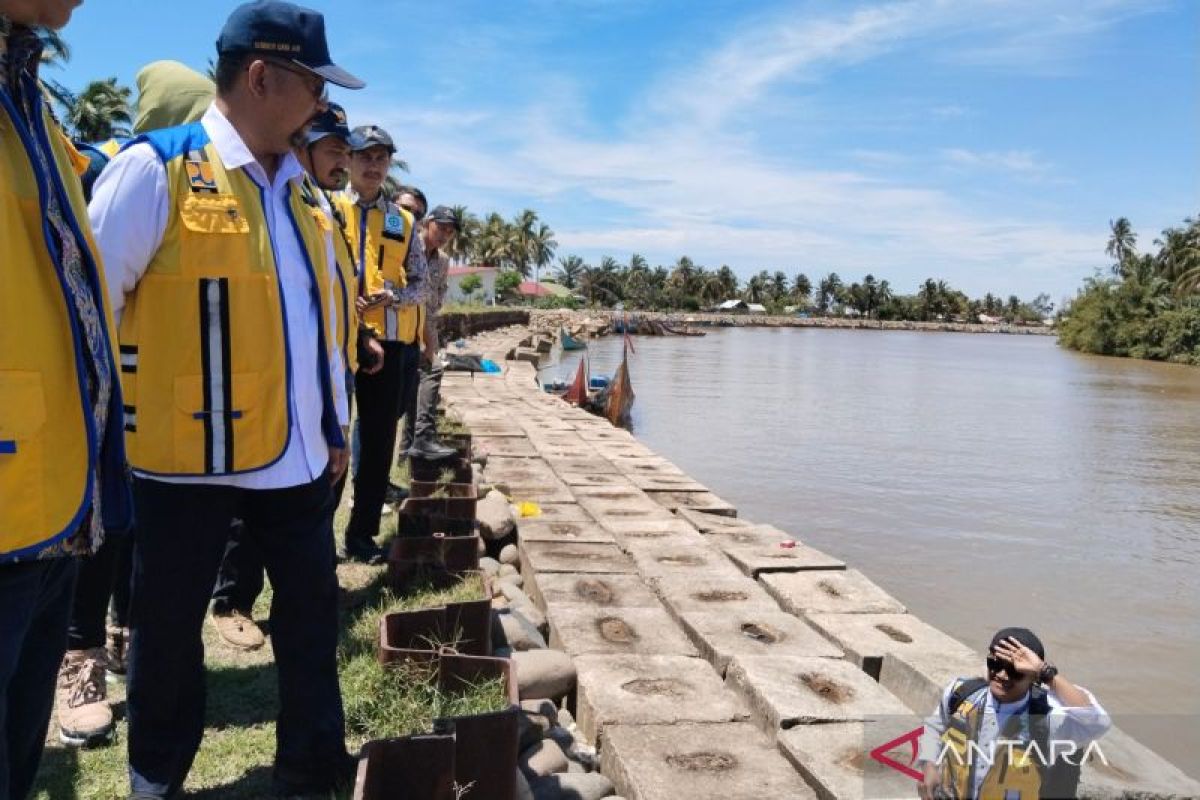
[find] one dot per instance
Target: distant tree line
(1146, 305)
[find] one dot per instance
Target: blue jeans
(180, 539)
(35, 606)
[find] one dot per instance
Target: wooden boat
(569, 342)
(618, 397)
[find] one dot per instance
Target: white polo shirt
(129, 213)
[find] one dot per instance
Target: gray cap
(367, 136)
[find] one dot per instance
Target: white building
(485, 294)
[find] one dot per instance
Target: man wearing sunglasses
(998, 737)
(222, 282)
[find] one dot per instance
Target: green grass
(234, 762)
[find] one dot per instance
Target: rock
(546, 674)
(495, 515)
(519, 633)
(582, 786)
(534, 616)
(499, 603)
(542, 707)
(509, 556)
(531, 729)
(566, 719)
(523, 790)
(480, 547)
(513, 593)
(489, 566)
(544, 758)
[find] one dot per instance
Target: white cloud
(1021, 162)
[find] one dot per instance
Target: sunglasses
(994, 665)
(316, 84)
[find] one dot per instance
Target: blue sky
(986, 142)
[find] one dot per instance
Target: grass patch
(235, 757)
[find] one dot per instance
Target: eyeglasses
(315, 83)
(417, 212)
(994, 665)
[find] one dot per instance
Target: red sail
(578, 394)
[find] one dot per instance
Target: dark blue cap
(286, 31)
(367, 136)
(332, 122)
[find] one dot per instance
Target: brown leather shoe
(84, 717)
(238, 630)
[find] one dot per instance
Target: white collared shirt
(129, 213)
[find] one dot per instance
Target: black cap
(332, 122)
(287, 31)
(367, 136)
(1022, 635)
(445, 215)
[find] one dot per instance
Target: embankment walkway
(716, 658)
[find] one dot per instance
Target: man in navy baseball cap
(284, 31)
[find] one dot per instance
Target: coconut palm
(729, 282)
(461, 247)
(638, 262)
(756, 288)
(779, 286)
(1122, 243)
(569, 270)
(542, 246)
(599, 285)
(101, 111)
(801, 289)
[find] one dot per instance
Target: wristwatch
(1047, 673)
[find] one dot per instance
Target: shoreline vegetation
(1147, 305)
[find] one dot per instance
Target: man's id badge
(393, 223)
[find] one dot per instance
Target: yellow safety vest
(381, 243)
(346, 287)
(48, 440)
(204, 340)
(1016, 774)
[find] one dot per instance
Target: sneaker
(84, 717)
(238, 630)
(117, 651)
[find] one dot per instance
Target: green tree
(470, 285)
(801, 289)
(101, 111)
(1122, 243)
(569, 270)
(507, 284)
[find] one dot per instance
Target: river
(984, 480)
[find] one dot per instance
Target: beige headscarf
(170, 94)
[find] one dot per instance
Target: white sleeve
(1079, 724)
(337, 367)
(128, 213)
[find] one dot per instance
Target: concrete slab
(563, 512)
(583, 630)
(591, 557)
(666, 482)
(785, 691)
(919, 682)
(563, 438)
(748, 536)
(607, 434)
(708, 523)
(658, 520)
(636, 539)
(835, 760)
(540, 493)
(688, 556)
(835, 592)
(1133, 770)
(867, 638)
(538, 530)
(703, 501)
(710, 593)
(592, 464)
(722, 635)
(755, 560)
(504, 446)
(730, 761)
(519, 470)
(592, 590)
(648, 690)
(604, 479)
(613, 450)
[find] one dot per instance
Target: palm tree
(638, 262)
(1179, 256)
(461, 247)
(599, 285)
(729, 282)
(801, 289)
(779, 286)
(569, 270)
(541, 247)
(829, 291)
(55, 53)
(683, 276)
(756, 288)
(1122, 243)
(712, 288)
(101, 111)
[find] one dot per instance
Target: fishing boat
(568, 341)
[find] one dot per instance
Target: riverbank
(549, 320)
(641, 571)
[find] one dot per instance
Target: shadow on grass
(255, 783)
(58, 777)
(241, 696)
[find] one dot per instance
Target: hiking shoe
(116, 651)
(364, 552)
(238, 630)
(84, 718)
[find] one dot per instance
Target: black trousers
(180, 540)
(104, 576)
(381, 399)
(35, 603)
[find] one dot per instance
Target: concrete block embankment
(714, 658)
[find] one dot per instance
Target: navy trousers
(180, 540)
(35, 605)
